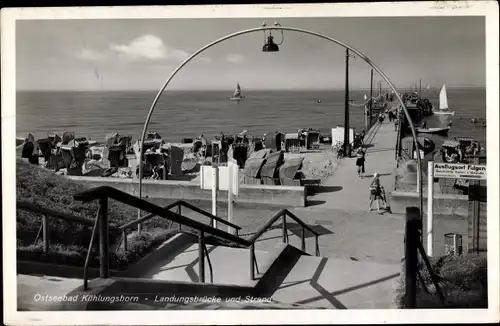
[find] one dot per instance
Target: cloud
(234, 58)
(143, 48)
(148, 47)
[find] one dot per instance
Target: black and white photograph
(283, 162)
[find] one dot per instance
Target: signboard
(338, 135)
(225, 175)
(459, 171)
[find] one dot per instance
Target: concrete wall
(444, 204)
(254, 194)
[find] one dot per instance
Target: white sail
(443, 99)
(237, 91)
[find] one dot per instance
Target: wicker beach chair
(312, 140)
(270, 169)
(292, 143)
(288, 172)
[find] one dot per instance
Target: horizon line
(224, 89)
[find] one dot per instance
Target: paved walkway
(345, 190)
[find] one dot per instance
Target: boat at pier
(443, 104)
(237, 96)
(436, 131)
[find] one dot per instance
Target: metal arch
(283, 28)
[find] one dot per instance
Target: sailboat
(237, 94)
(443, 104)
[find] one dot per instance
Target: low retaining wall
(444, 204)
(254, 194)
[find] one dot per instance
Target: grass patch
(44, 188)
(69, 241)
(462, 279)
(139, 245)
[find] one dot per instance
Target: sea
(189, 114)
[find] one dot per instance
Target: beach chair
(288, 172)
(67, 136)
(240, 154)
(312, 141)
(252, 169)
(292, 143)
(176, 155)
(270, 169)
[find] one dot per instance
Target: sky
(140, 54)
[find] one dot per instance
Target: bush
(462, 280)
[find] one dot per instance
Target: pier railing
(414, 247)
(104, 193)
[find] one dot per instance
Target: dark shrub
(462, 279)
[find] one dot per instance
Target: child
(376, 193)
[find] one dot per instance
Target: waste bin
(453, 244)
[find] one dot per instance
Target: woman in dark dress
(360, 162)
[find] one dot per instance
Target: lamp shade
(270, 46)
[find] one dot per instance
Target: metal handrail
(281, 214)
(434, 277)
(87, 259)
(176, 204)
(273, 219)
(144, 218)
(103, 193)
(47, 212)
(63, 216)
(68, 218)
(207, 214)
(109, 192)
(209, 263)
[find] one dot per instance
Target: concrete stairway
(287, 277)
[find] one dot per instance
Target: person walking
(376, 192)
(360, 162)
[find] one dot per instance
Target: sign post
(221, 178)
(232, 189)
(215, 181)
(430, 208)
(448, 171)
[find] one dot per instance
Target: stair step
(230, 266)
(339, 283)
